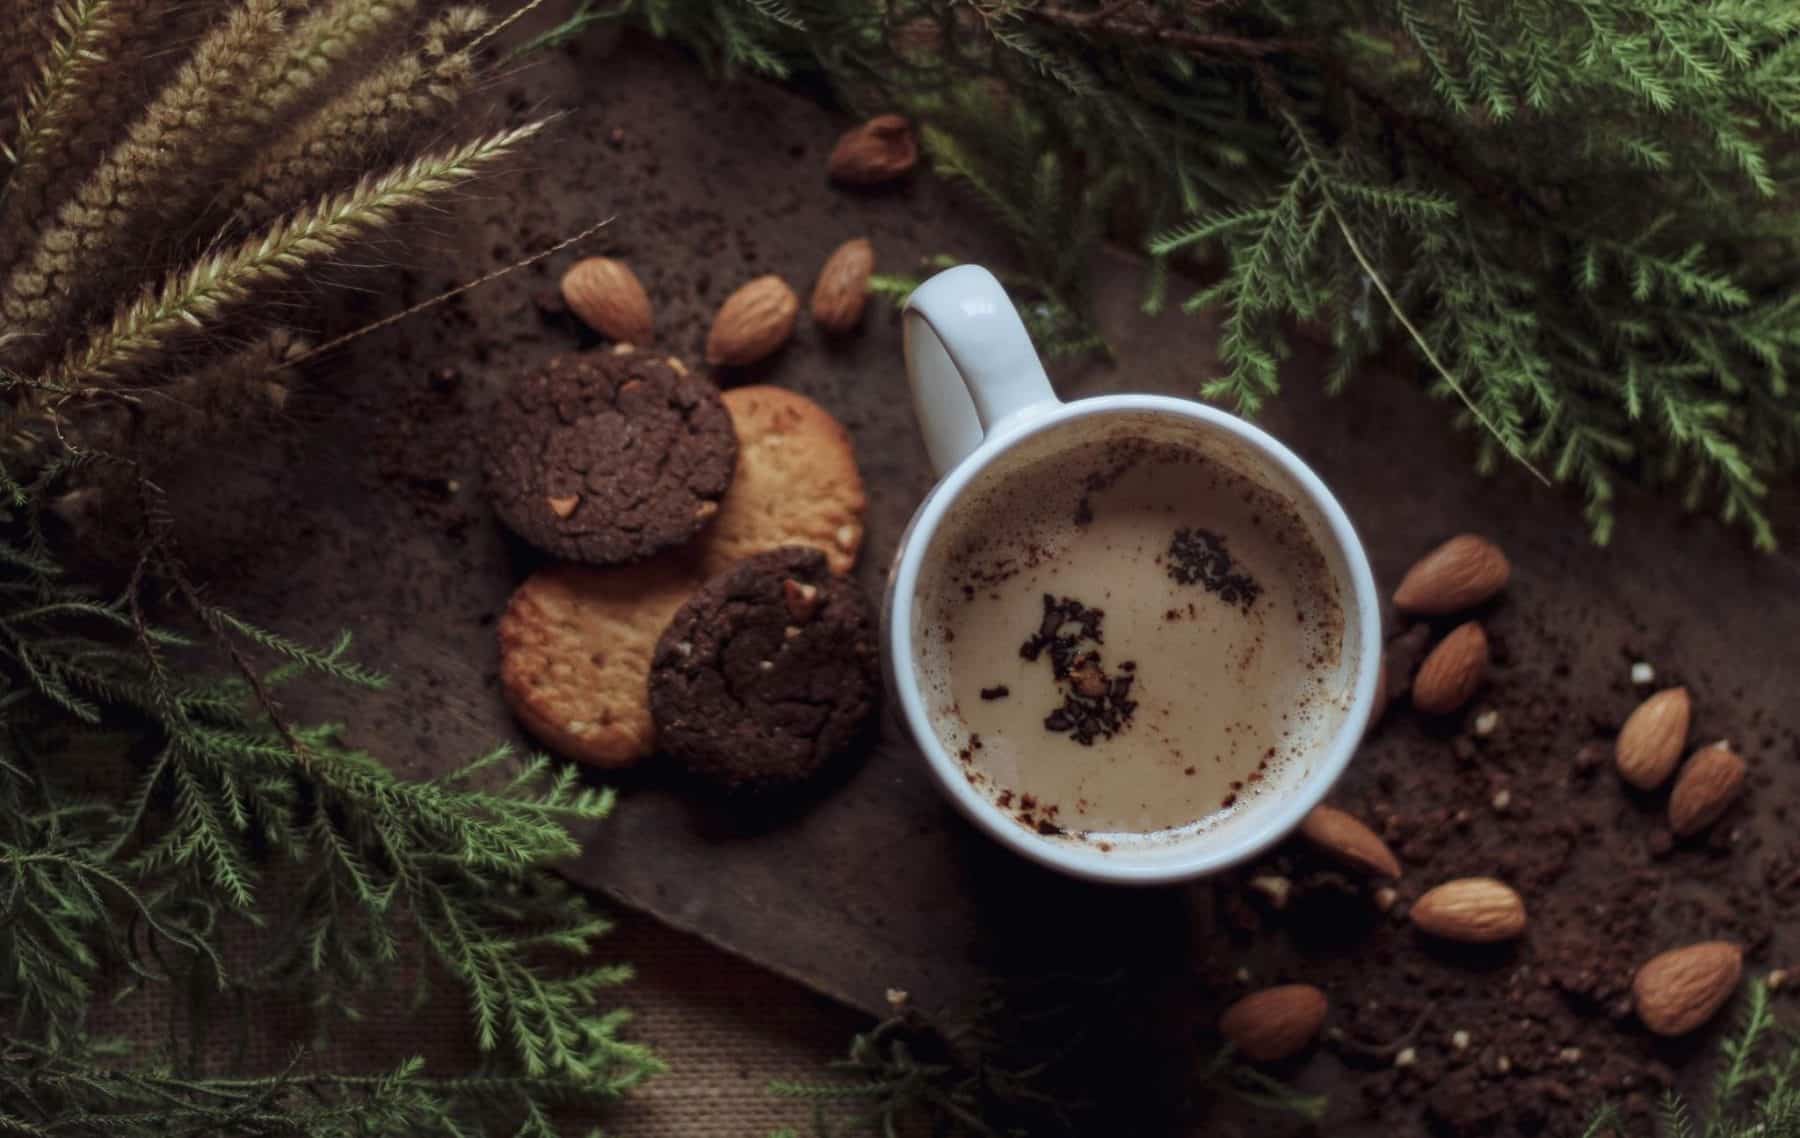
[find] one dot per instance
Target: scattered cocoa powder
(1525, 1038)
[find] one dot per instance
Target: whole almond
(753, 322)
(607, 297)
(843, 288)
(1711, 780)
(879, 150)
(1459, 574)
(1345, 838)
(1473, 910)
(1452, 672)
(1274, 1023)
(1651, 742)
(1681, 989)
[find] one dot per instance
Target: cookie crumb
(1276, 889)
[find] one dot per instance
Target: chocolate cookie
(607, 457)
(766, 672)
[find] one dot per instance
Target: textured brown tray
(366, 512)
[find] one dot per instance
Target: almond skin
(1452, 672)
(1712, 779)
(1459, 574)
(1274, 1023)
(608, 298)
(753, 322)
(879, 150)
(1345, 838)
(1472, 910)
(1681, 989)
(843, 288)
(1650, 744)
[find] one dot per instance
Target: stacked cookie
(701, 607)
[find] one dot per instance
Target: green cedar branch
(1575, 217)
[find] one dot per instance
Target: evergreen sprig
(1025, 1064)
(900, 1076)
(1755, 1094)
(87, 1091)
(223, 806)
(1576, 215)
(167, 832)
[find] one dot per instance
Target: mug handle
(969, 361)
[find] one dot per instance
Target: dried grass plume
(163, 165)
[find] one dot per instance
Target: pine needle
(1542, 201)
(148, 795)
(1405, 321)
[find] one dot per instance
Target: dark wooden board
(365, 511)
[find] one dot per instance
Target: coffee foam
(1015, 530)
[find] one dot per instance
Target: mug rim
(1194, 856)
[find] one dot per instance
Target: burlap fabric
(724, 1027)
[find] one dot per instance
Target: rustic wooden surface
(366, 511)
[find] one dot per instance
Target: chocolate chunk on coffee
(1095, 705)
(1066, 625)
(1199, 557)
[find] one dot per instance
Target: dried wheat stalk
(157, 167)
(169, 163)
(204, 292)
(68, 105)
(393, 102)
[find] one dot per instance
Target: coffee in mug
(1135, 638)
(1127, 637)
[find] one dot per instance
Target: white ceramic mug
(981, 395)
